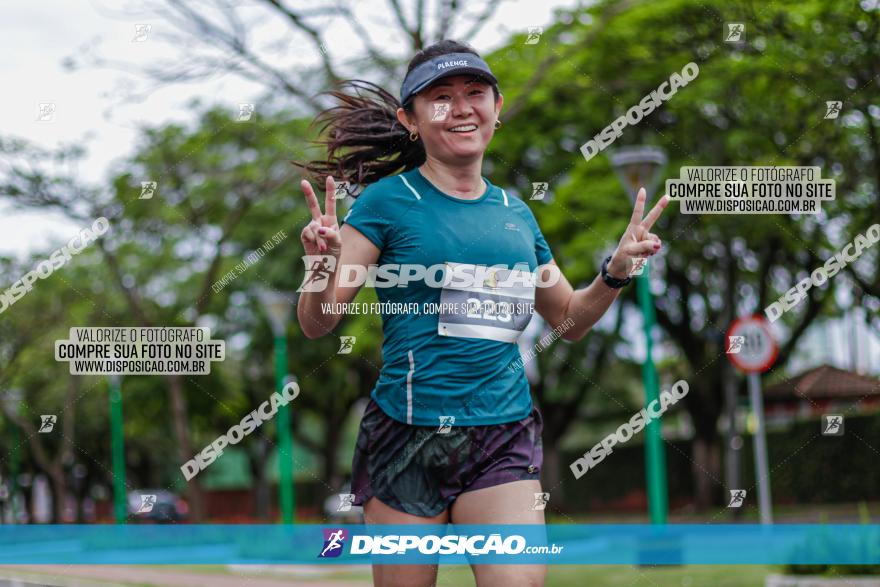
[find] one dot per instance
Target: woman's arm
(356, 250)
(584, 307)
(347, 246)
(575, 312)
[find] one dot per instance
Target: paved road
(107, 576)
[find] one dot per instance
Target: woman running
(450, 433)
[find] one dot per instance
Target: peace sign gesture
(321, 235)
(638, 240)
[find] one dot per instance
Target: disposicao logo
(333, 543)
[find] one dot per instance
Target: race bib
(485, 302)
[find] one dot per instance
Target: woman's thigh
(508, 503)
(376, 512)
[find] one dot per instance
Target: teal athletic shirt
(463, 370)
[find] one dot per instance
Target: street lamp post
(278, 307)
(117, 450)
(638, 167)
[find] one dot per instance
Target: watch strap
(610, 281)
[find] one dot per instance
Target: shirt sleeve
(542, 249)
(369, 215)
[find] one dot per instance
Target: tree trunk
(185, 450)
(258, 458)
(332, 432)
(706, 470)
(550, 473)
(56, 480)
(27, 502)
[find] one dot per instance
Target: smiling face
(455, 117)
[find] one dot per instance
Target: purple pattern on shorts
(419, 471)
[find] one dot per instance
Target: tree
(737, 112)
(68, 453)
(193, 253)
(218, 38)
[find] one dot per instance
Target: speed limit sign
(750, 344)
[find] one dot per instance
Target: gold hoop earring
(497, 124)
(413, 136)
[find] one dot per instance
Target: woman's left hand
(638, 241)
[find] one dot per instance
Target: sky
(89, 109)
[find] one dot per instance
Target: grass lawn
(626, 576)
(590, 575)
(558, 575)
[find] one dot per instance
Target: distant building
(822, 390)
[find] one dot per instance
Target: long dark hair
(365, 142)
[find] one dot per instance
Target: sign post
(637, 167)
(278, 306)
(117, 450)
(752, 349)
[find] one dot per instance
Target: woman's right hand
(321, 235)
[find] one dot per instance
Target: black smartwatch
(612, 282)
